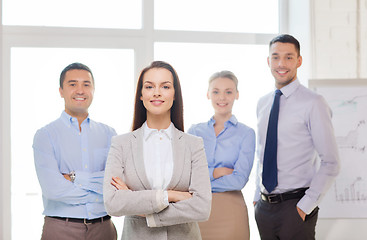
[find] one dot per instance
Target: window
(73, 13)
(116, 40)
(216, 15)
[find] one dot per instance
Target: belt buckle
(86, 223)
(272, 198)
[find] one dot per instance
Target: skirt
(228, 218)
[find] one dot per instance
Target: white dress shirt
(307, 150)
(158, 157)
(158, 161)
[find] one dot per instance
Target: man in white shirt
(288, 194)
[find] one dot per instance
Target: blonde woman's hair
(224, 74)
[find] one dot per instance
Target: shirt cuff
(162, 203)
(81, 178)
(165, 198)
(150, 220)
(84, 181)
(162, 200)
(211, 170)
(257, 196)
(306, 204)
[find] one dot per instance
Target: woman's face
(158, 92)
(222, 92)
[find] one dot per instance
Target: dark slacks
(281, 221)
(56, 229)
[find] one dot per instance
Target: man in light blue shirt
(70, 155)
(306, 155)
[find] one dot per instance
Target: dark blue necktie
(270, 171)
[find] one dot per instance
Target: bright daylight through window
(116, 39)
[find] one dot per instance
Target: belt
(84, 220)
(277, 198)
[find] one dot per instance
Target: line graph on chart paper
(347, 196)
(352, 140)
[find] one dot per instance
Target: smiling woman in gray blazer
(157, 176)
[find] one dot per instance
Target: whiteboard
(347, 197)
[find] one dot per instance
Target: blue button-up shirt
(60, 147)
(234, 148)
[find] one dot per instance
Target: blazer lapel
(178, 150)
(138, 156)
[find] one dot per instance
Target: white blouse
(158, 158)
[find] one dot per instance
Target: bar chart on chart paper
(347, 196)
(348, 192)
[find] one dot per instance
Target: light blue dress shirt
(305, 134)
(234, 148)
(59, 148)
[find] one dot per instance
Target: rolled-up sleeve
(54, 185)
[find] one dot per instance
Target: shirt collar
(148, 132)
(290, 88)
(232, 120)
(68, 120)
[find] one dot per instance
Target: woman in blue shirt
(230, 148)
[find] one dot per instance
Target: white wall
(2, 160)
(1, 121)
(340, 27)
(340, 39)
(329, 33)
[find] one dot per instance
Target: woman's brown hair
(140, 112)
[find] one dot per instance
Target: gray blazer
(190, 173)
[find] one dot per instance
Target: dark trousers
(281, 221)
(55, 229)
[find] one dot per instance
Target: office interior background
(117, 38)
